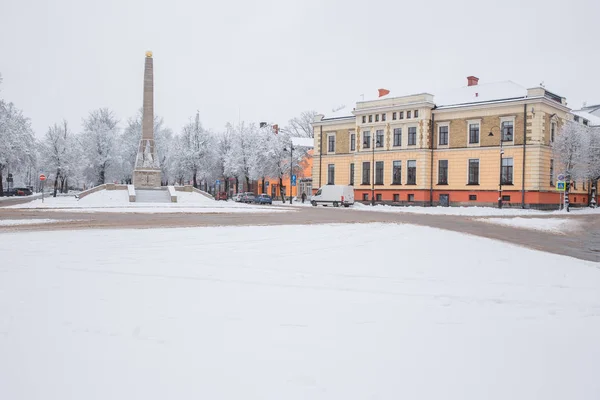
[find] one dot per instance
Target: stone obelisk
(147, 172)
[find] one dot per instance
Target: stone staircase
(152, 196)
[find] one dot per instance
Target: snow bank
(553, 225)
(470, 211)
(13, 222)
(293, 312)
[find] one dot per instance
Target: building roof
(594, 120)
(487, 92)
(343, 112)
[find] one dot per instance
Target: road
(583, 244)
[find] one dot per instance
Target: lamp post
(291, 167)
(508, 136)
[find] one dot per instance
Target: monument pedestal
(146, 178)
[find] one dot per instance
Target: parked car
(336, 195)
(263, 199)
(238, 197)
(221, 196)
(23, 191)
(247, 197)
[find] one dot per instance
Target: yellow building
(446, 149)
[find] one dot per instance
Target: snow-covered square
(361, 311)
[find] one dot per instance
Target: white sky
(267, 60)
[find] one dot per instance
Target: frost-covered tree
(99, 140)
(17, 142)
(301, 126)
(60, 152)
(195, 152)
(240, 155)
(570, 150)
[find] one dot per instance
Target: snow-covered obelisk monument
(146, 173)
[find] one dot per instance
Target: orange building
(274, 188)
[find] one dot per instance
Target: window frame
(408, 172)
(447, 126)
(376, 117)
(379, 172)
(409, 135)
(552, 172)
(394, 182)
(366, 178)
(445, 181)
(503, 120)
(469, 182)
(364, 119)
(394, 115)
(478, 123)
(399, 142)
(331, 174)
(352, 141)
(383, 117)
(401, 115)
(366, 144)
(351, 174)
(408, 114)
(509, 168)
(329, 136)
(371, 118)
(416, 113)
(382, 141)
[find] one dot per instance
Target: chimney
(472, 80)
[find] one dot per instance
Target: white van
(336, 195)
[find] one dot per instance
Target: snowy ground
(553, 225)
(117, 201)
(293, 312)
(14, 222)
(472, 211)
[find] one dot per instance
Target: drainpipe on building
(524, 147)
(320, 154)
(432, 135)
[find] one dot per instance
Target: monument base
(147, 178)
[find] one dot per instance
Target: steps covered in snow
(152, 196)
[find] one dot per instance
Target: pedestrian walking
(303, 197)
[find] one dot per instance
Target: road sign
(42, 177)
(293, 180)
(9, 178)
(560, 177)
(560, 186)
(267, 183)
(218, 182)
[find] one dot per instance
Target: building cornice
(502, 103)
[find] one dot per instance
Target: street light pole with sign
(42, 179)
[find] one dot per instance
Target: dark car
(23, 191)
(221, 196)
(263, 199)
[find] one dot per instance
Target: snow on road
(14, 222)
(553, 225)
(293, 312)
(472, 211)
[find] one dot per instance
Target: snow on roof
(593, 119)
(341, 112)
(303, 142)
(480, 94)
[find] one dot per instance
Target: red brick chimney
(472, 80)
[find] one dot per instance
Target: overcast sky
(269, 60)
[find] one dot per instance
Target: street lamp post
(291, 167)
(501, 157)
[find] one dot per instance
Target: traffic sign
(267, 183)
(561, 177)
(9, 178)
(560, 186)
(293, 180)
(42, 177)
(218, 182)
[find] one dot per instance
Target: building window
(412, 136)
(331, 174)
(505, 198)
(379, 138)
(378, 197)
(473, 133)
(370, 118)
(442, 172)
(364, 119)
(331, 144)
(408, 114)
(552, 131)
(576, 118)
(507, 131)
(411, 178)
(443, 134)
(472, 197)
(376, 117)
(366, 139)
(394, 115)
(352, 174)
(397, 173)
(397, 136)
(379, 173)
(365, 197)
(473, 172)
(585, 122)
(411, 197)
(366, 171)
(383, 117)
(507, 171)
(396, 198)
(352, 141)
(401, 115)
(416, 113)
(551, 172)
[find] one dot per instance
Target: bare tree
(99, 142)
(301, 126)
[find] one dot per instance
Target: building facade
(451, 149)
